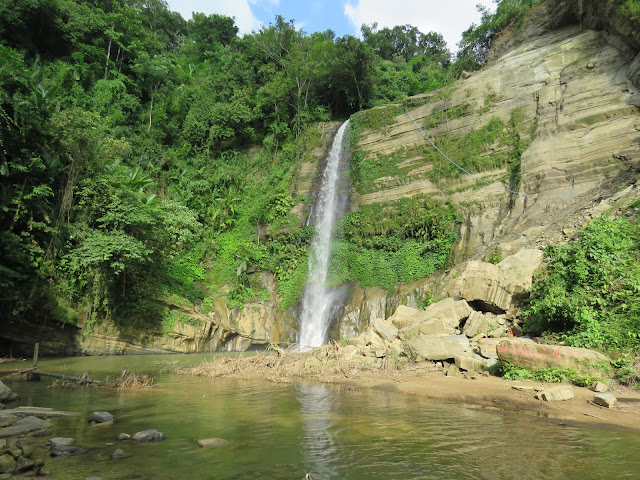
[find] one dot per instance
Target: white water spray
(317, 300)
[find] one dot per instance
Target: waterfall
(317, 300)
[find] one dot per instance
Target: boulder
(385, 329)
(487, 347)
(61, 442)
(600, 387)
(406, 316)
(452, 371)
(536, 356)
(7, 463)
(439, 348)
(100, 417)
(348, 352)
(123, 436)
(150, 435)
(8, 419)
(5, 392)
(450, 310)
(480, 323)
(212, 442)
(66, 451)
(498, 287)
(554, 394)
(604, 399)
(31, 426)
(436, 326)
(469, 364)
(117, 454)
(372, 339)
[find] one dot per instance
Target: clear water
(285, 431)
(317, 299)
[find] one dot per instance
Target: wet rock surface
(150, 435)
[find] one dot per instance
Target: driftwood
(34, 372)
(84, 378)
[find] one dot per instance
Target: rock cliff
(565, 90)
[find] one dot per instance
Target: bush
(590, 290)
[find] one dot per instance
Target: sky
(344, 17)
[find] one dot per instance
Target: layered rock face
(578, 115)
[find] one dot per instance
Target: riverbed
(278, 431)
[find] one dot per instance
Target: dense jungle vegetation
(148, 160)
(143, 156)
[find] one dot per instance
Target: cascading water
(317, 300)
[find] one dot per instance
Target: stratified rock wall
(579, 117)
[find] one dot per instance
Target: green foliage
(548, 375)
(476, 40)
(470, 151)
(383, 245)
(590, 290)
(495, 257)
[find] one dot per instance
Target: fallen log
(84, 378)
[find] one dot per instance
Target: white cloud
(448, 17)
(239, 9)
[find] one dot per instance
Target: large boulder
(100, 417)
(451, 311)
(487, 346)
(31, 426)
(440, 318)
(406, 316)
(470, 364)
(437, 326)
(5, 392)
(385, 329)
(498, 287)
(537, 356)
(439, 348)
(480, 323)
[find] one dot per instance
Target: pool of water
(333, 432)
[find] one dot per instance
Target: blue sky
(449, 17)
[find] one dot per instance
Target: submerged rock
(150, 435)
(100, 417)
(61, 442)
(5, 392)
(117, 454)
(32, 426)
(7, 463)
(66, 451)
(212, 442)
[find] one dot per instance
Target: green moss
(443, 116)
(471, 151)
(375, 118)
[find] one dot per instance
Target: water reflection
(317, 444)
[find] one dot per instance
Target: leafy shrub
(590, 290)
